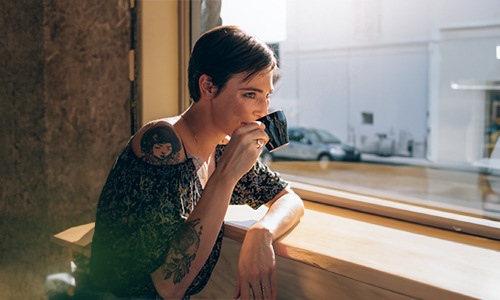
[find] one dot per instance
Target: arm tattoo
(182, 251)
(160, 146)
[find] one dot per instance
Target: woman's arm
(194, 241)
(257, 265)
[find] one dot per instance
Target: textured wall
(64, 116)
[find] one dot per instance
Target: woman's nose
(263, 107)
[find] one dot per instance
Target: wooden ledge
(406, 258)
(402, 211)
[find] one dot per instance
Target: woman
(159, 220)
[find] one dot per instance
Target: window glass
(402, 97)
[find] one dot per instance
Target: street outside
(410, 180)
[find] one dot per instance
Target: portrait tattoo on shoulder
(160, 146)
(182, 251)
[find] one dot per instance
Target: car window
(295, 135)
(326, 137)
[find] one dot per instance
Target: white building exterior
(394, 60)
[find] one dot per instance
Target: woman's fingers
(243, 149)
(253, 131)
(273, 292)
(258, 290)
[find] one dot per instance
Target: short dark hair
(225, 51)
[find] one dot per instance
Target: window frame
(400, 211)
(190, 16)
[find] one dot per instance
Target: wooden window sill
(406, 258)
(396, 257)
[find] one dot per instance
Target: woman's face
(242, 101)
(162, 150)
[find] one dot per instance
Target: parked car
(312, 144)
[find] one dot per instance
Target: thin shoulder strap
(184, 147)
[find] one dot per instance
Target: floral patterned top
(142, 206)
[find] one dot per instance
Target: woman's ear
(207, 88)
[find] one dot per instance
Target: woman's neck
(203, 136)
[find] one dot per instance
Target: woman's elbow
(298, 203)
(168, 293)
(164, 289)
(300, 206)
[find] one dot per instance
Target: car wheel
(324, 161)
(266, 158)
(324, 158)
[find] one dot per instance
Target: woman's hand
(256, 267)
(243, 149)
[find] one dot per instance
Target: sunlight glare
(265, 19)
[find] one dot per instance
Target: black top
(140, 209)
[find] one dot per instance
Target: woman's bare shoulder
(158, 143)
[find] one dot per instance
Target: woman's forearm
(257, 263)
(192, 244)
(284, 212)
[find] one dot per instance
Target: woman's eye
(250, 95)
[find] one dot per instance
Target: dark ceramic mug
(276, 129)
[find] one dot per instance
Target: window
(367, 118)
(295, 135)
(429, 70)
